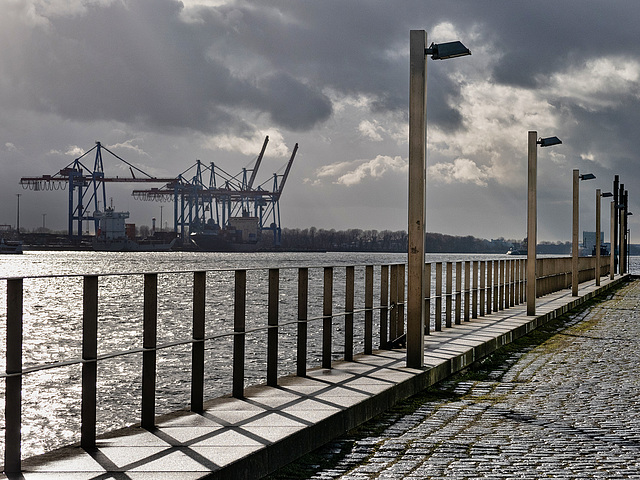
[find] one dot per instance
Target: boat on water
(515, 251)
(10, 246)
(241, 235)
(112, 235)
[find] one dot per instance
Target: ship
(10, 246)
(241, 235)
(114, 235)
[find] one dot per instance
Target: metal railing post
(368, 310)
(458, 314)
(483, 288)
(393, 298)
(197, 348)
(401, 285)
(89, 364)
(149, 342)
(489, 286)
(13, 384)
(239, 317)
(474, 290)
(327, 317)
(448, 299)
(348, 308)
(384, 306)
(438, 319)
(303, 302)
(272, 332)
(427, 300)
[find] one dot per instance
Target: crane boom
(254, 172)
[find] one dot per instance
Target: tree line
(356, 240)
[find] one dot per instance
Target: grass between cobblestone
(491, 368)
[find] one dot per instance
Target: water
(53, 327)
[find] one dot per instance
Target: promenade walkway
(272, 426)
(568, 408)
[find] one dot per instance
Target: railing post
(327, 314)
(400, 317)
(458, 293)
(474, 291)
(393, 298)
(512, 283)
(502, 287)
(368, 309)
(239, 317)
(303, 300)
(13, 384)
(149, 342)
(489, 286)
(348, 308)
(384, 306)
(89, 364)
(467, 290)
(496, 286)
(272, 331)
(427, 300)
(448, 299)
(438, 319)
(197, 348)
(483, 287)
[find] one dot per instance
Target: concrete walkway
(566, 408)
(250, 438)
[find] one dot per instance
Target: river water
(52, 317)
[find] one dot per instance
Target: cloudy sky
(163, 83)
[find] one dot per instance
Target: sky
(164, 83)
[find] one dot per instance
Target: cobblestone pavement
(568, 408)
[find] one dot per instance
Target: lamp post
(614, 240)
(612, 234)
(576, 226)
(599, 195)
(418, 52)
(532, 215)
(18, 213)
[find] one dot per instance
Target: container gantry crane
(86, 186)
(211, 199)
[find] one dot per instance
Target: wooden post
(89, 365)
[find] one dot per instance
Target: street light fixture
(532, 215)
(576, 226)
(418, 52)
(548, 141)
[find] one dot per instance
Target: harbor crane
(208, 200)
(86, 186)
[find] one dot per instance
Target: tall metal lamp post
(417, 183)
(575, 273)
(599, 195)
(532, 213)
